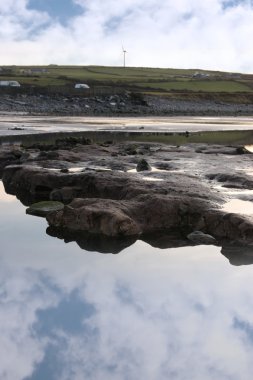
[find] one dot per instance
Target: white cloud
(157, 315)
(164, 33)
(17, 22)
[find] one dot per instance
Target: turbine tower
(124, 56)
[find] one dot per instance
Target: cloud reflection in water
(65, 313)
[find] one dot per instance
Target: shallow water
(239, 206)
(38, 124)
(146, 313)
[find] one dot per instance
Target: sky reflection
(65, 313)
(239, 206)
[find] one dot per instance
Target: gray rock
(232, 180)
(201, 238)
(143, 165)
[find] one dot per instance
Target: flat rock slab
(44, 208)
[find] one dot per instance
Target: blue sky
(210, 34)
(59, 10)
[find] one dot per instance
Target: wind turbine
(124, 56)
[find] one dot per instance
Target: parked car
(9, 83)
(82, 86)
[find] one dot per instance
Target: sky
(208, 34)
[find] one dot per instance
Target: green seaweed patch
(209, 137)
(44, 208)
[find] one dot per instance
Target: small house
(34, 71)
(39, 71)
(199, 75)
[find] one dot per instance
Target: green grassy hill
(146, 80)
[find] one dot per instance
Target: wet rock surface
(199, 237)
(9, 156)
(102, 197)
(143, 165)
(233, 180)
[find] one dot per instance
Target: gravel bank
(124, 105)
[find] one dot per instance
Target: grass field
(206, 86)
(155, 80)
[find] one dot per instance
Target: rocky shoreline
(119, 105)
(110, 194)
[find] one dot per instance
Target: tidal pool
(145, 313)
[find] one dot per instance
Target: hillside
(125, 91)
(153, 81)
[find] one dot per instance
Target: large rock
(143, 215)
(234, 227)
(114, 203)
(150, 214)
(106, 217)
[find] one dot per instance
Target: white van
(82, 85)
(9, 83)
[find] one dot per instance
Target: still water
(68, 314)
(21, 125)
